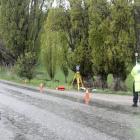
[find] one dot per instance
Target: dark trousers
(135, 95)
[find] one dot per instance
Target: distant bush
(25, 65)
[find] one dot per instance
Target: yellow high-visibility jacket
(136, 75)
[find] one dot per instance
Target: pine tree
(137, 23)
(98, 31)
(80, 51)
(122, 40)
(13, 25)
(20, 23)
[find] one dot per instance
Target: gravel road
(28, 115)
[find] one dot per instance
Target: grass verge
(42, 77)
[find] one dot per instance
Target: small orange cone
(87, 97)
(41, 87)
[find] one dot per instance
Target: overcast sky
(65, 3)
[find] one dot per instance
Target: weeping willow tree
(50, 46)
(63, 59)
(50, 53)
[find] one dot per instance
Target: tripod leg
(78, 83)
(81, 82)
(73, 79)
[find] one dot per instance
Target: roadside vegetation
(44, 41)
(59, 79)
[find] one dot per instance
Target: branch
(42, 4)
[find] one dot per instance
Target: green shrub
(25, 65)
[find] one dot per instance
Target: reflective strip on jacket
(136, 75)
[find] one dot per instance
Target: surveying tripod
(78, 79)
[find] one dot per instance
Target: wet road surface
(28, 115)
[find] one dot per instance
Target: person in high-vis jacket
(136, 84)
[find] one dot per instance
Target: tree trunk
(88, 81)
(101, 81)
(137, 24)
(65, 79)
(118, 83)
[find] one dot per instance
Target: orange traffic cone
(41, 87)
(87, 97)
